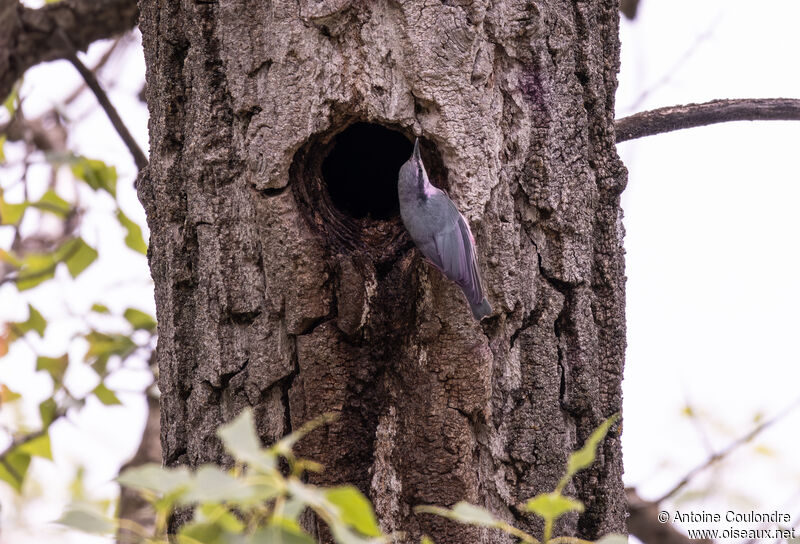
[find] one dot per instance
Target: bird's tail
(482, 309)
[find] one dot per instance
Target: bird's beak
(415, 155)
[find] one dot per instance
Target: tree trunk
(285, 280)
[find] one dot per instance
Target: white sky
(712, 266)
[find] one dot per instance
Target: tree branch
(644, 524)
(716, 457)
(649, 123)
(26, 35)
(88, 76)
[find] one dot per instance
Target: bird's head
(413, 177)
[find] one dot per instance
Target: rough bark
(271, 294)
(30, 36)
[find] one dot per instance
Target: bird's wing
(453, 252)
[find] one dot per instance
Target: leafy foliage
(255, 502)
(548, 506)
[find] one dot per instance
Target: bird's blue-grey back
(440, 232)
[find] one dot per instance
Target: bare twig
(95, 69)
(643, 523)
(649, 123)
(88, 76)
(716, 457)
(688, 54)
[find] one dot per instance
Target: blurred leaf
(133, 238)
(11, 214)
(51, 202)
(35, 269)
(78, 256)
(7, 395)
(105, 395)
(354, 509)
(87, 521)
(77, 489)
(100, 308)
(426, 540)
(35, 322)
(96, 174)
(344, 535)
(551, 506)
(7, 257)
(280, 535)
(585, 456)
(47, 411)
(219, 515)
(38, 447)
(196, 532)
(292, 509)
(613, 538)
(102, 346)
(212, 484)
(2, 151)
(285, 445)
(13, 469)
(155, 478)
(240, 439)
(11, 101)
(53, 366)
(465, 513)
(139, 320)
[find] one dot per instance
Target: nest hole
(360, 171)
(345, 182)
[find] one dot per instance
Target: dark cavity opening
(360, 171)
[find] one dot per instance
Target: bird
(440, 232)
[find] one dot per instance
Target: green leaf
(613, 538)
(53, 366)
(285, 445)
(465, 513)
(102, 346)
(96, 174)
(11, 214)
(219, 515)
(35, 322)
(38, 447)
(13, 470)
(426, 540)
(585, 456)
(140, 320)
(354, 509)
(87, 521)
(198, 532)
(212, 484)
(155, 478)
(7, 395)
(550, 506)
(277, 534)
(12, 100)
(47, 411)
(100, 308)
(35, 269)
(240, 439)
(52, 203)
(2, 151)
(133, 238)
(79, 256)
(105, 395)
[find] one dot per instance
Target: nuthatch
(440, 232)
